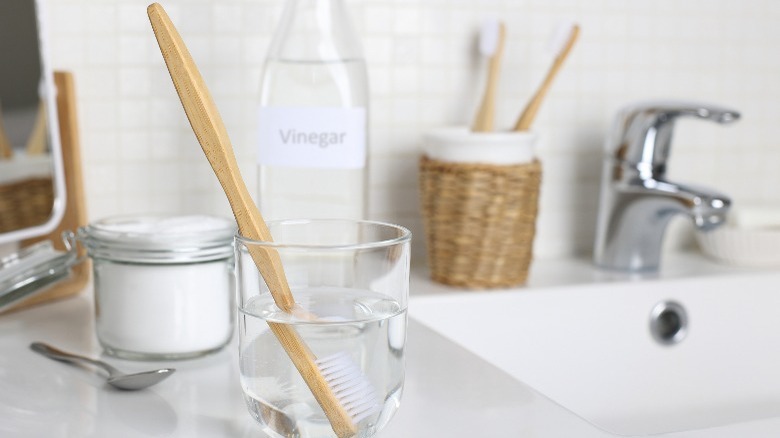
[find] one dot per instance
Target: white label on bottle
(312, 137)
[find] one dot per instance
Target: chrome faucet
(637, 201)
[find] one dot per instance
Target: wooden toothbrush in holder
(491, 46)
(570, 34)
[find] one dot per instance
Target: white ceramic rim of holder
(750, 237)
(461, 145)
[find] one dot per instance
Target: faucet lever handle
(643, 131)
(665, 111)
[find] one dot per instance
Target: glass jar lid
(33, 268)
(159, 239)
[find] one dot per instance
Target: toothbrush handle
(485, 118)
(212, 135)
(530, 111)
(6, 150)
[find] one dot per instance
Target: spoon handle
(57, 354)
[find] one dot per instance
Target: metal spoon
(116, 378)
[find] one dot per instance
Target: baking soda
(164, 309)
(163, 285)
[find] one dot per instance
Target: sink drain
(668, 322)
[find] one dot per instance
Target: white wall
(140, 155)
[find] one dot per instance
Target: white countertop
(449, 391)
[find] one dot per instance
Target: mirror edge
(50, 93)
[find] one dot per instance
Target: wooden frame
(75, 211)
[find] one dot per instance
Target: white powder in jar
(163, 286)
(164, 309)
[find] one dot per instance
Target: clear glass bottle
(312, 118)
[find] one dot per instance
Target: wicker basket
(25, 203)
(480, 221)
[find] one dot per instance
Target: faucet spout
(707, 208)
(630, 237)
(710, 209)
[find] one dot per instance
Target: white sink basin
(589, 348)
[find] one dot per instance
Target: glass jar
(163, 284)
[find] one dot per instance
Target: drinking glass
(350, 281)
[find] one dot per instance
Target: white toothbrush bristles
(354, 391)
(488, 37)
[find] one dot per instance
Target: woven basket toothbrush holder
(26, 192)
(479, 196)
(25, 203)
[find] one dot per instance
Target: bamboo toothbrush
(36, 144)
(324, 376)
(491, 45)
(6, 150)
(564, 41)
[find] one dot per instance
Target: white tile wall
(141, 157)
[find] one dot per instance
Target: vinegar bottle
(312, 117)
